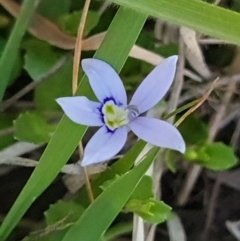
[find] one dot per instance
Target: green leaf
(52, 9)
(11, 50)
(118, 230)
(216, 156)
(55, 86)
(167, 50)
(40, 58)
(112, 200)
(70, 22)
(198, 15)
(126, 25)
(150, 210)
(142, 203)
(63, 209)
(32, 127)
(171, 160)
(194, 130)
(144, 189)
(59, 217)
(5, 123)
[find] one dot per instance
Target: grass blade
(198, 15)
(11, 50)
(113, 198)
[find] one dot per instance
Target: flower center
(115, 116)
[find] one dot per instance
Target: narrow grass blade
(105, 208)
(11, 50)
(198, 15)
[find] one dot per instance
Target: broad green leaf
(126, 25)
(70, 22)
(150, 210)
(52, 9)
(59, 217)
(198, 15)
(55, 86)
(63, 209)
(40, 58)
(54, 232)
(194, 130)
(112, 199)
(216, 156)
(32, 127)
(10, 52)
(142, 203)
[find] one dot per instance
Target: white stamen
(116, 116)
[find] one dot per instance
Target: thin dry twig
(195, 170)
(6, 131)
(201, 101)
(76, 63)
(178, 83)
(212, 41)
(236, 135)
(212, 204)
(215, 126)
(19, 148)
(216, 120)
(73, 169)
(78, 46)
(172, 105)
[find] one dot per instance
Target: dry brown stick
(76, 63)
(78, 46)
(236, 135)
(178, 83)
(195, 170)
(212, 41)
(212, 204)
(172, 105)
(215, 126)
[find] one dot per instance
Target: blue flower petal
(155, 85)
(81, 110)
(104, 81)
(104, 145)
(159, 133)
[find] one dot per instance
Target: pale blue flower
(116, 117)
